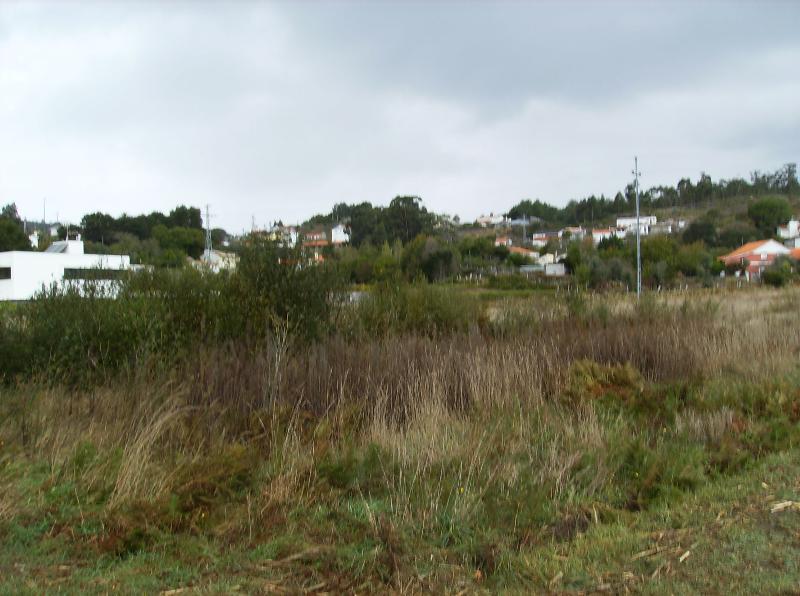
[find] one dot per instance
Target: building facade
(24, 273)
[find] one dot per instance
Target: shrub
(420, 308)
(85, 335)
(510, 282)
(779, 274)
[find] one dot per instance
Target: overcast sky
(279, 110)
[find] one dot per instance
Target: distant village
(25, 272)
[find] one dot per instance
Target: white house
(339, 234)
(490, 220)
(555, 270)
(286, 235)
(546, 259)
(600, 234)
(217, 260)
(628, 224)
(573, 232)
(790, 231)
(24, 273)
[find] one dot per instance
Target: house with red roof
(756, 256)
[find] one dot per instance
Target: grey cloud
(281, 110)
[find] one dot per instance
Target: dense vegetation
(690, 256)
(12, 233)
(154, 239)
(705, 193)
(216, 433)
(406, 241)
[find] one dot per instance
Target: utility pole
(208, 233)
(636, 174)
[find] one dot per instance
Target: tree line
(155, 238)
(685, 193)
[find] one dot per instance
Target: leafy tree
(768, 213)
(10, 212)
(186, 217)
(692, 260)
(537, 208)
(406, 218)
(612, 243)
(99, 227)
(701, 230)
(268, 282)
(12, 236)
(190, 241)
(736, 235)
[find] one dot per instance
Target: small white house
(573, 232)
(217, 260)
(555, 270)
(600, 234)
(339, 234)
(490, 220)
(24, 273)
(790, 230)
(546, 259)
(628, 224)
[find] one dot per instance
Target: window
(5, 272)
(94, 273)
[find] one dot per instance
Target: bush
(779, 274)
(84, 336)
(510, 282)
(422, 308)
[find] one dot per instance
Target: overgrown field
(422, 440)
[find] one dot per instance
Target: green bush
(510, 282)
(420, 308)
(87, 335)
(779, 274)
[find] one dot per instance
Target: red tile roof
(744, 250)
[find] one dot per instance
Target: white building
(555, 270)
(217, 260)
(600, 234)
(490, 220)
(24, 273)
(546, 259)
(628, 224)
(573, 232)
(790, 230)
(339, 234)
(286, 235)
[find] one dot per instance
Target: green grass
(726, 527)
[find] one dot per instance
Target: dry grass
(502, 428)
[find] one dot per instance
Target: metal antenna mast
(208, 233)
(636, 174)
